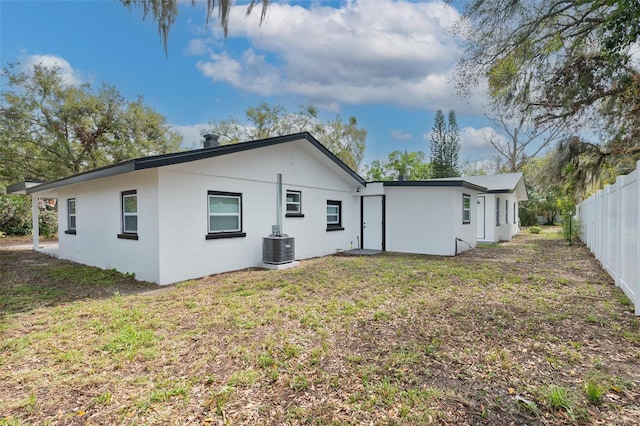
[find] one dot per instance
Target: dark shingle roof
(187, 156)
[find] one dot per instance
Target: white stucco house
(497, 214)
(174, 217)
(429, 217)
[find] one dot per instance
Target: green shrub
(527, 216)
(15, 215)
(535, 230)
(570, 228)
(48, 222)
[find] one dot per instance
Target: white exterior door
(481, 218)
(372, 222)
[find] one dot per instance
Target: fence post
(620, 182)
(588, 205)
(594, 223)
(606, 235)
(636, 290)
(600, 228)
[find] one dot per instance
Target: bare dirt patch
(526, 332)
(11, 241)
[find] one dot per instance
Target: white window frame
(466, 209)
(336, 207)
(298, 203)
(71, 229)
(227, 195)
(71, 215)
(125, 214)
(506, 211)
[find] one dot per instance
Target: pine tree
(445, 146)
(438, 142)
(453, 145)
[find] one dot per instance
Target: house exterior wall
(501, 230)
(184, 251)
(173, 242)
(466, 232)
(98, 222)
(491, 230)
(428, 220)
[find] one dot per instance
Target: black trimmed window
(294, 204)
(334, 215)
(224, 211)
(506, 211)
(71, 216)
(514, 212)
(466, 208)
(129, 211)
(497, 211)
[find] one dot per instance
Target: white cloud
(198, 47)
(378, 51)
(69, 75)
(399, 135)
(221, 68)
(473, 142)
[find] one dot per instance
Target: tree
(557, 56)
(445, 146)
(479, 168)
(561, 61)
(164, 12)
(519, 138)
(50, 130)
(550, 196)
(345, 140)
(583, 168)
(376, 171)
(411, 165)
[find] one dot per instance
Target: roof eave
(193, 155)
(21, 188)
(114, 170)
(437, 184)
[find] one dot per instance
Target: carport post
(35, 229)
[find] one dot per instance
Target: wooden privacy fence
(609, 220)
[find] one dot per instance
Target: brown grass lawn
(526, 332)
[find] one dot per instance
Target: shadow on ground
(31, 280)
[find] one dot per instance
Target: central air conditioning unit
(278, 249)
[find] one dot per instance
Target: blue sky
(386, 63)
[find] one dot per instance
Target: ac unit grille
(278, 249)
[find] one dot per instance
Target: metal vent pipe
(279, 205)
(211, 141)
